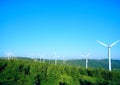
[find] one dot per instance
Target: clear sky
(67, 27)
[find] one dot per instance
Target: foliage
(28, 72)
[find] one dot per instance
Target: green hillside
(93, 63)
(28, 72)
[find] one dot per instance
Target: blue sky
(67, 27)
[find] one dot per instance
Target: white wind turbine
(13, 55)
(86, 59)
(40, 58)
(109, 53)
(43, 59)
(9, 55)
(64, 61)
(49, 59)
(55, 58)
(36, 57)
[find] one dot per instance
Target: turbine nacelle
(85, 56)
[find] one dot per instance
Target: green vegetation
(92, 63)
(28, 72)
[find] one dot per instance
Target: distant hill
(92, 63)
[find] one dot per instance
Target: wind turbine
(36, 57)
(9, 55)
(64, 61)
(43, 59)
(86, 59)
(55, 58)
(109, 53)
(49, 59)
(12, 55)
(40, 58)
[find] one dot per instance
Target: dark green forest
(29, 72)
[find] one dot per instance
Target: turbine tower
(40, 58)
(7, 55)
(109, 52)
(55, 58)
(86, 59)
(49, 59)
(36, 58)
(43, 59)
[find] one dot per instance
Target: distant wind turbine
(109, 53)
(64, 61)
(36, 58)
(55, 58)
(49, 59)
(39, 58)
(9, 55)
(86, 56)
(43, 59)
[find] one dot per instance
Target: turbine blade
(103, 44)
(88, 54)
(64, 61)
(114, 43)
(82, 55)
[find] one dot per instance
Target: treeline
(27, 72)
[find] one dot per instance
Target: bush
(27, 72)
